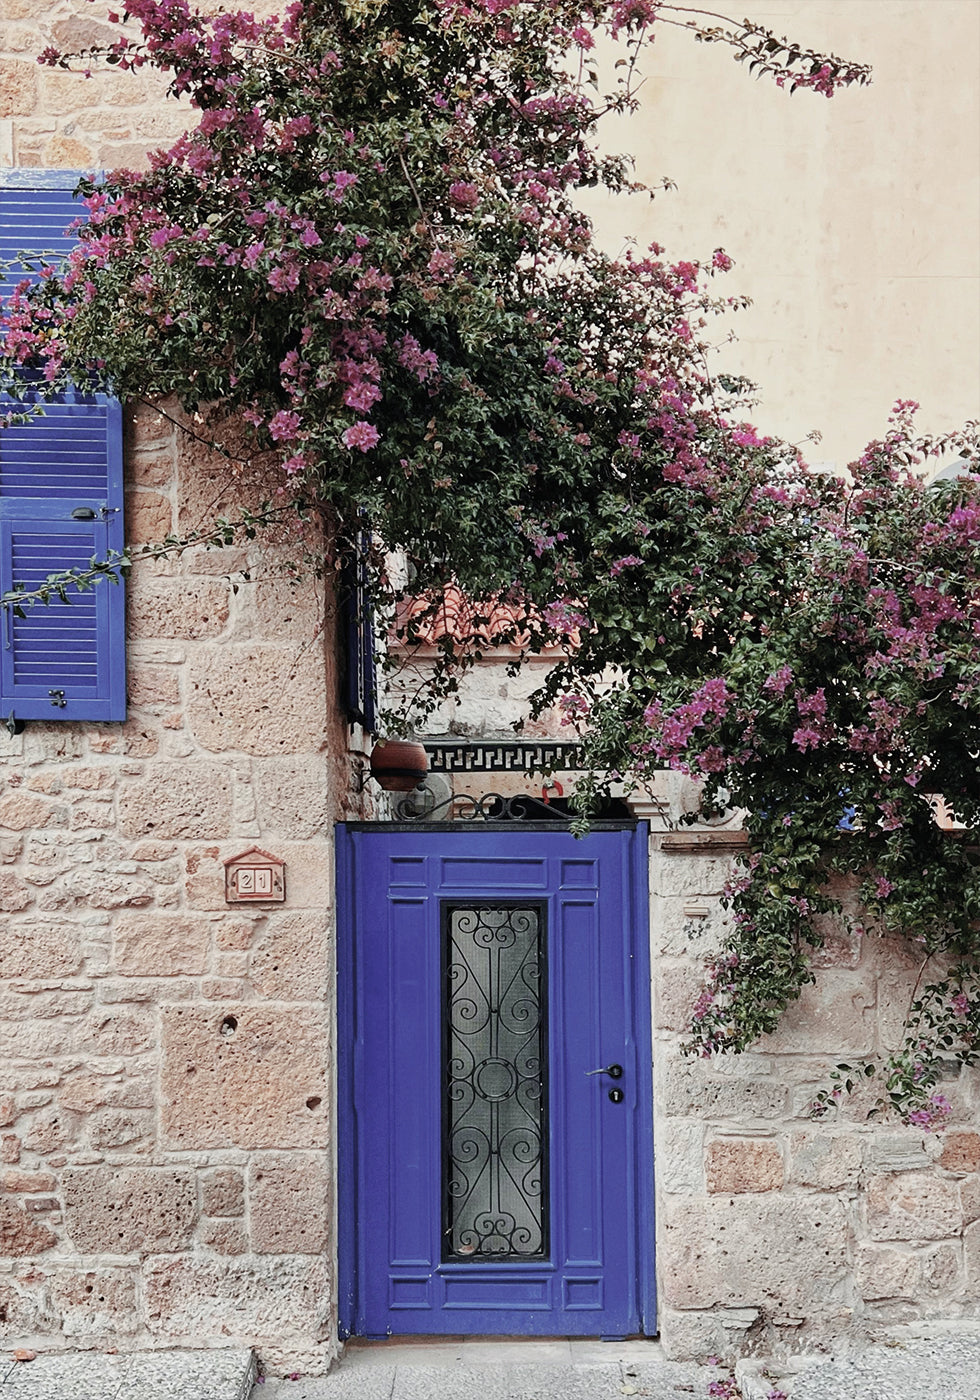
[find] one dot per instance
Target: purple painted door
(495, 1097)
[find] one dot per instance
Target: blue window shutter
(61, 498)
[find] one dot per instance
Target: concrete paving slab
(500, 1369)
(362, 1383)
(160, 1375)
(947, 1367)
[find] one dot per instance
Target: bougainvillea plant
(368, 247)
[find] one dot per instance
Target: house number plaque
(255, 877)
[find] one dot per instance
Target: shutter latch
(83, 513)
(58, 699)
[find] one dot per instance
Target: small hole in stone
(314, 1101)
(229, 1026)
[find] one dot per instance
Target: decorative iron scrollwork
(421, 805)
(495, 1120)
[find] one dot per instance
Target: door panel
(505, 1238)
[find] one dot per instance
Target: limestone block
(679, 1157)
(21, 1234)
(75, 32)
(191, 608)
(37, 949)
(736, 1165)
(153, 685)
(970, 1198)
(828, 1162)
(10, 1148)
(971, 1256)
(121, 1127)
(289, 1201)
(20, 811)
(234, 936)
(961, 1152)
(95, 1303)
(210, 484)
(898, 980)
(249, 1300)
(675, 933)
(686, 875)
(676, 987)
(940, 1269)
(8, 1110)
(152, 465)
(898, 1152)
(259, 699)
(883, 1272)
(125, 1031)
(693, 1335)
(35, 1040)
(23, 1312)
(288, 1205)
(241, 1076)
(66, 153)
(161, 945)
(84, 1092)
(287, 607)
(224, 1236)
(182, 801)
(133, 738)
(139, 1210)
(293, 795)
(833, 1016)
(30, 1181)
(15, 896)
(52, 1129)
(223, 1192)
(913, 1206)
(690, 1090)
(149, 517)
(153, 851)
(65, 93)
(788, 1254)
(291, 960)
(18, 87)
(102, 888)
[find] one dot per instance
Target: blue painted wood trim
(346, 1120)
(643, 1024)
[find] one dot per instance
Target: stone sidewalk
(945, 1368)
(148, 1375)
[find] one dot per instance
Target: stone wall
(777, 1233)
(166, 1088)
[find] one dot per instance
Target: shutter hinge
(13, 725)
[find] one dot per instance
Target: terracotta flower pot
(398, 765)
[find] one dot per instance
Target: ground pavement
(946, 1368)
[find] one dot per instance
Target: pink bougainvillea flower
(361, 435)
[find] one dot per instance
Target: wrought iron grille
(495, 1158)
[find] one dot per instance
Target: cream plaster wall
(854, 222)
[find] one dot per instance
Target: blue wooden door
(495, 1095)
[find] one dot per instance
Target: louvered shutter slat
(61, 661)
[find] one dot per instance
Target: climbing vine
(368, 247)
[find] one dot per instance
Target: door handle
(614, 1071)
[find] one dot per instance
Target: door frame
(641, 1173)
